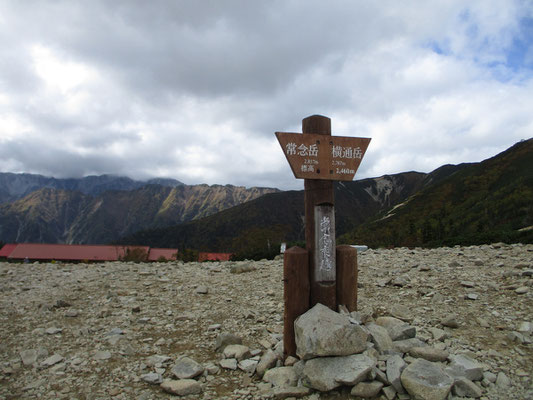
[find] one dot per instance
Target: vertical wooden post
(295, 293)
(347, 277)
(318, 193)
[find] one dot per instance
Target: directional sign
(321, 156)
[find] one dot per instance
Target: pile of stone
(373, 357)
(380, 357)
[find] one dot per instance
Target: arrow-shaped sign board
(311, 156)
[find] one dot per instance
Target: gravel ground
(87, 331)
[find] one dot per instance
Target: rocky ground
(115, 330)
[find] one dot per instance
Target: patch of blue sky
(519, 55)
(510, 60)
(517, 63)
(441, 48)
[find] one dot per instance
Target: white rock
(429, 353)
(522, 290)
(401, 312)
(248, 366)
(367, 389)
(237, 351)
(466, 388)
(268, 360)
(439, 334)
(328, 373)
(503, 381)
(323, 332)
(28, 357)
(228, 363)
(52, 360)
(182, 387)
(396, 328)
(152, 378)
(186, 368)
(225, 339)
(202, 290)
(281, 376)
(389, 392)
(403, 346)
(157, 360)
(464, 366)
(525, 327)
(395, 367)
(426, 381)
(450, 321)
(102, 355)
(380, 337)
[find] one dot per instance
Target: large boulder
(425, 380)
(328, 373)
(322, 332)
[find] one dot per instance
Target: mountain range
(479, 203)
(468, 203)
(98, 210)
(16, 186)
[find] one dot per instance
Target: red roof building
(6, 250)
(167, 254)
(78, 252)
(214, 256)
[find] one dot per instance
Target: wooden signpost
(322, 273)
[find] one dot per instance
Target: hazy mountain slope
(16, 186)
(42, 216)
(60, 216)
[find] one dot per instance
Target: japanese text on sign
(302, 150)
(324, 257)
(312, 151)
(326, 244)
(315, 156)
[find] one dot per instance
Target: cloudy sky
(194, 90)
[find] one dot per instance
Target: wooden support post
(295, 293)
(347, 277)
(318, 193)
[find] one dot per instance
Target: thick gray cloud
(195, 90)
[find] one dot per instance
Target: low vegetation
(135, 254)
(486, 202)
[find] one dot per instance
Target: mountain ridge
(464, 203)
(277, 217)
(479, 202)
(15, 186)
(65, 216)
(364, 208)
